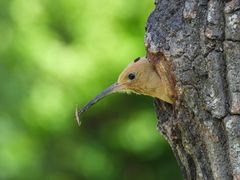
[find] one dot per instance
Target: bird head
(139, 77)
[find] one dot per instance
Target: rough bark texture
(201, 40)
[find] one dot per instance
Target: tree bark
(201, 40)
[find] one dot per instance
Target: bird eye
(131, 76)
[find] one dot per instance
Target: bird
(141, 76)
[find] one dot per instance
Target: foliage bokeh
(56, 54)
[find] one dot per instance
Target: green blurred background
(55, 54)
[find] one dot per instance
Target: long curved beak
(113, 88)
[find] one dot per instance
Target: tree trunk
(201, 40)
